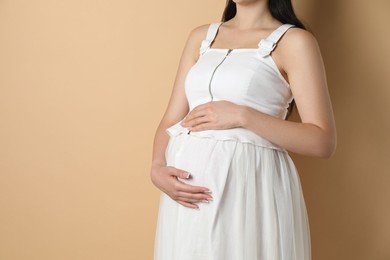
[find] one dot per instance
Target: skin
(298, 58)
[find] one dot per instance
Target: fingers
(189, 205)
(190, 201)
(194, 112)
(194, 197)
(196, 121)
(186, 194)
(181, 186)
(179, 173)
(204, 126)
(201, 111)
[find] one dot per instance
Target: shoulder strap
(211, 32)
(266, 46)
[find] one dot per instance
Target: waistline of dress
(236, 134)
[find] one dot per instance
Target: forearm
(301, 138)
(160, 142)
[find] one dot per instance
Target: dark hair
(282, 10)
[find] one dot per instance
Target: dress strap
(211, 32)
(266, 46)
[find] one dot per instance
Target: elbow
(327, 153)
(327, 148)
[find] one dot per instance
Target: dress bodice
(244, 76)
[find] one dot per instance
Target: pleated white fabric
(258, 211)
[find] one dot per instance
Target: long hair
(281, 10)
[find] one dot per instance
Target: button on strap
(266, 46)
(211, 33)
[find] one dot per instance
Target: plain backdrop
(84, 84)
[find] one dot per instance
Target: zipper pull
(229, 51)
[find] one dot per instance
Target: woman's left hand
(214, 115)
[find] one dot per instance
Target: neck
(253, 15)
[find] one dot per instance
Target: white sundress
(258, 210)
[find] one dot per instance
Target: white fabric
(247, 77)
(258, 211)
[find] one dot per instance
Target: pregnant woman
(230, 190)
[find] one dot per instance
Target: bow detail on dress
(266, 47)
(177, 129)
(204, 45)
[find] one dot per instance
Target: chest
(236, 76)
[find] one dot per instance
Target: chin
(246, 2)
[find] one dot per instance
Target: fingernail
(210, 198)
(188, 175)
(208, 191)
(197, 208)
(206, 201)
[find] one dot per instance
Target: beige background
(83, 85)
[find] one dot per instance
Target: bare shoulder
(298, 38)
(298, 46)
(297, 42)
(199, 32)
(195, 38)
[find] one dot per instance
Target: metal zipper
(212, 76)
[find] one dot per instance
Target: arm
(316, 135)
(162, 176)
(177, 107)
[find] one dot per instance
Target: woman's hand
(165, 178)
(214, 115)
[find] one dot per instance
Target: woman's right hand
(166, 179)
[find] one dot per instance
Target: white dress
(258, 210)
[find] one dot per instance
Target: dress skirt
(258, 210)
